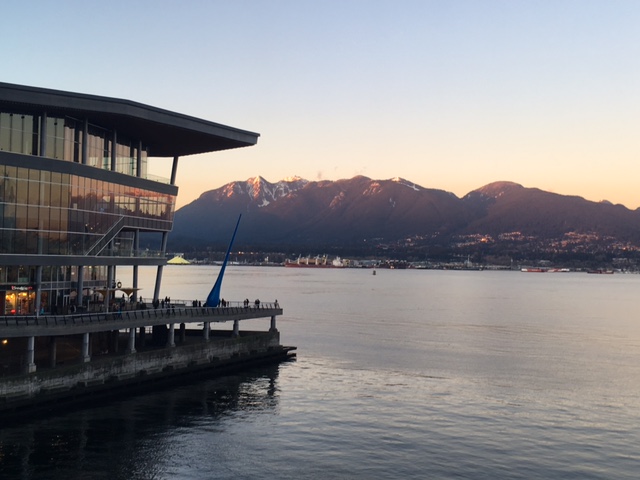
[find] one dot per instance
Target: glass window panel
(54, 219)
(17, 134)
(45, 222)
(33, 197)
(33, 217)
(12, 274)
(20, 241)
(65, 195)
(8, 237)
(27, 134)
(55, 138)
(5, 131)
(56, 190)
(53, 243)
(44, 242)
(61, 244)
(32, 241)
(22, 192)
(9, 216)
(46, 273)
(21, 217)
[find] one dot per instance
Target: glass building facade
(56, 213)
(75, 193)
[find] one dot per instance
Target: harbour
(409, 373)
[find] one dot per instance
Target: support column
(207, 331)
(136, 252)
(37, 307)
(174, 170)
(131, 347)
(110, 280)
(38, 289)
(79, 296)
(273, 324)
(43, 135)
(139, 160)
(85, 348)
(31, 366)
(163, 250)
(171, 340)
(114, 143)
(134, 294)
(183, 332)
(236, 328)
(115, 340)
(141, 337)
(52, 351)
(85, 142)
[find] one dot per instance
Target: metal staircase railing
(104, 240)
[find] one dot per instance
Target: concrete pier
(110, 356)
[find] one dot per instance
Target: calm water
(406, 374)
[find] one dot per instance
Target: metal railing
(169, 311)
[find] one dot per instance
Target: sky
(449, 94)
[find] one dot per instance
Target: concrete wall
(118, 372)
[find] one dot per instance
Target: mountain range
(295, 212)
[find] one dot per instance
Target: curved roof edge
(166, 133)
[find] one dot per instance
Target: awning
(126, 290)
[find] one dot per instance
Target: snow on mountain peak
(406, 183)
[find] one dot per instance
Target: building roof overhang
(166, 133)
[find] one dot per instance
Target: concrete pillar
(183, 332)
(171, 341)
(273, 324)
(156, 289)
(207, 331)
(174, 170)
(136, 252)
(85, 348)
(79, 296)
(115, 336)
(31, 349)
(134, 294)
(236, 328)
(163, 250)
(131, 347)
(52, 351)
(141, 337)
(38, 282)
(110, 280)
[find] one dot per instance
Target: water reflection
(132, 438)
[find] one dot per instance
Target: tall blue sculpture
(213, 300)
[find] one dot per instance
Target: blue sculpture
(213, 300)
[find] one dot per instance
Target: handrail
(109, 235)
(170, 311)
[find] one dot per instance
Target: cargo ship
(314, 262)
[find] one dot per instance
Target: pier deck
(53, 325)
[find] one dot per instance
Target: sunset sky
(448, 94)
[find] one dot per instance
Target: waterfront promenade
(32, 342)
(12, 326)
(71, 357)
